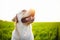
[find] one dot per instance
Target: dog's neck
(23, 24)
(20, 26)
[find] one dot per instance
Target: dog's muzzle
(29, 18)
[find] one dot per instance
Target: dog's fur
(23, 29)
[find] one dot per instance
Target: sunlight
(46, 10)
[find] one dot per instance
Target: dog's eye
(24, 10)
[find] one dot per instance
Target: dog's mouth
(27, 19)
(30, 18)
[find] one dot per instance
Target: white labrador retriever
(23, 29)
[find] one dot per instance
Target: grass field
(41, 30)
(46, 30)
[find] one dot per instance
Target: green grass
(41, 30)
(6, 30)
(45, 30)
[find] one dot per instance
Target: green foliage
(6, 30)
(41, 30)
(46, 30)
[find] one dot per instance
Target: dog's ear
(15, 19)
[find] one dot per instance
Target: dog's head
(26, 17)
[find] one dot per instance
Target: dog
(23, 29)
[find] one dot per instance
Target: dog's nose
(32, 12)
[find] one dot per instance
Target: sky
(45, 10)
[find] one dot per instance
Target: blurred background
(45, 10)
